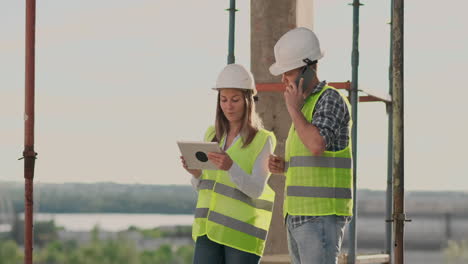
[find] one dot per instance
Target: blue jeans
(317, 241)
(210, 252)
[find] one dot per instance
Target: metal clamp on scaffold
(398, 217)
(356, 3)
(29, 154)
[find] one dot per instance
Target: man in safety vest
(318, 158)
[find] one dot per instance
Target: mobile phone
(307, 73)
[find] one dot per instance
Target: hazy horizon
(189, 185)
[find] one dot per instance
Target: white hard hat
(235, 76)
(293, 48)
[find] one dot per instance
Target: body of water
(114, 222)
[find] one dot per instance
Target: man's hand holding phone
(293, 96)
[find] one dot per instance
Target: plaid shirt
(331, 117)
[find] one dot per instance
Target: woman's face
(232, 103)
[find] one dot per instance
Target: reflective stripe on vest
(238, 195)
(319, 161)
(237, 225)
(235, 194)
(206, 184)
(319, 192)
(201, 212)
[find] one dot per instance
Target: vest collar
(317, 88)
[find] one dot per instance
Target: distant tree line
(181, 199)
(107, 198)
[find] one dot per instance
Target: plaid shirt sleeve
(331, 117)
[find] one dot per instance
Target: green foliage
(176, 231)
(151, 233)
(456, 252)
(97, 251)
(102, 252)
(185, 253)
(10, 253)
(179, 231)
(44, 232)
(119, 251)
(54, 253)
(165, 254)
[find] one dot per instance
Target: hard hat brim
(277, 69)
(253, 93)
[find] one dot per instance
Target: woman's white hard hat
(293, 48)
(237, 77)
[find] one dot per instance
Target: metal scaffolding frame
(395, 172)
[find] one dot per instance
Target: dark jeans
(210, 252)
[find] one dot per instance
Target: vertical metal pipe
(28, 154)
(448, 227)
(232, 22)
(354, 104)
(389, 192)
(398, 129)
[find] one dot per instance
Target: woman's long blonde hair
(251, 122)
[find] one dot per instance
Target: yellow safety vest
(317, 185)
(227, 215)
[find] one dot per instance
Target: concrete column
(270, 19)
(305, 13)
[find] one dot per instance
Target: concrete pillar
(270, 19)
(305, 13)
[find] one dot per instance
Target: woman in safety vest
(235, 204)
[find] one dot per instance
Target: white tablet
(196, 154)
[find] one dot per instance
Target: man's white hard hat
(237, 77)
(293, 48)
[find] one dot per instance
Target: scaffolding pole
(389, 192)
(354, 104)
(29, 155)
(399, 217)
(232, 23)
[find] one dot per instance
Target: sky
(119, 82)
